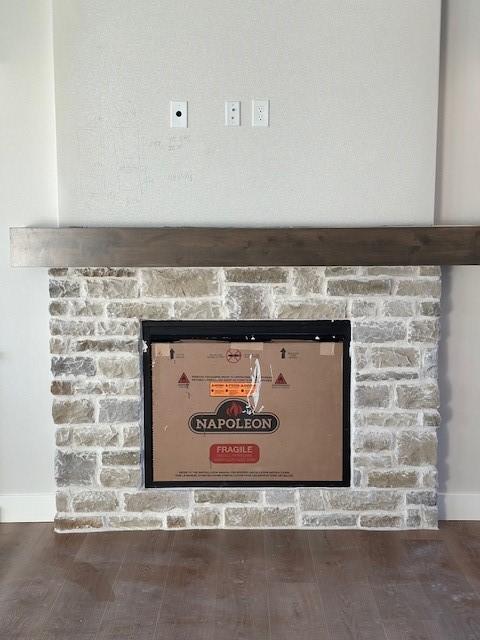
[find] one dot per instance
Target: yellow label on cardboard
(229, 389)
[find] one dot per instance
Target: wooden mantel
(226, 247)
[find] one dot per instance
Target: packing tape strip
(162, 349)
(327, 348)
(247, 346)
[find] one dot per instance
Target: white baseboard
(27, 507)
(459, 506)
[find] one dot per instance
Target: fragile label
(231, 389)
(234, 453)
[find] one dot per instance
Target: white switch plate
(232, 113)
(179, 113)
(260, 113)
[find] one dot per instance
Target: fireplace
(246, 403)
(102, 466)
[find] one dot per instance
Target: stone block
(424, 331)
(379, 331)
(95, 436)
(429, 308)
(418, 287)
(257, 275)
(105, 272)
(226, 496)
(73, 411)
(119, 477)
(376, 396)
(280, 496)
(395, 357)
(329, 520)
(87, 501)
(121, 457)
(308, 281)
(312, 310)
(358, 287)
(61, 388)
(73, 366)
(337, 271)
(62, 501)
(312, 500)
(140, 310)
(429, 478)
(197, 309)
(205, 517)
(131, 436)
(381, 522)
(417, 448)
(107, 387)
(72, 523)
(131, 522)
(254, 517)
(364, 500)
(120, 367)
(398, 308)
(391, 270)
(75, 468)
(363, 308)
(417, 396)
(71, 327)
(112, 288)
(63, 436)
(385, 419)
(114, 410)
(373, 460)
(179, 283)
(392, 479)
(386, 375)
(426, 498)
(118, 328)
(60, 345)
(373, 441)
(249, 302)
(156, 500)
(176, 522)
(360, 357)
(125, 345)
(64, 288)
(433, 270)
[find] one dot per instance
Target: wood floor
(233, 585)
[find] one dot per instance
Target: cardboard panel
(271, 412)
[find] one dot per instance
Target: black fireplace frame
(243, 331)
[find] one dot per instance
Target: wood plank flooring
(240, 585)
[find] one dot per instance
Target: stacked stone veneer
(95, 332)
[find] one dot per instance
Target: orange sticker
(229, 389)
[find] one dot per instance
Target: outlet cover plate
(179, 113)
(260, 113)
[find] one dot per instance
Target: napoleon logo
(233, 416)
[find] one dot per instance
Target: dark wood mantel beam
(215, 247)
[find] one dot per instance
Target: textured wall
(96, 408)
(353, 89)
(458, 202)
(28, 195)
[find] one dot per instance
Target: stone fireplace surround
(96, 387)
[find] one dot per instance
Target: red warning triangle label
(183, 379)
(280, 379)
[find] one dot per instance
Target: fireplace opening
(246, 403)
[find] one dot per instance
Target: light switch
(260, 113)
(179, 113)
(232, 113)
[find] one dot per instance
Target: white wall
(458, 202)
(353, 90)
(28, 197)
